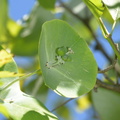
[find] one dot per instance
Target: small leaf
(67, 78)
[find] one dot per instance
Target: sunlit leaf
(96, 7)
(4, 111)
(4, 74)
(4, 57)
(13, 27)
(19, 105)
(107, 104)
(74, 76)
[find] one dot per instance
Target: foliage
(57, 37)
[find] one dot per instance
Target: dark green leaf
(48, 4)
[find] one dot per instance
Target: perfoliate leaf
(96, 6)
(67, 77)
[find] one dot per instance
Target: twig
(37, 86)
(62, 104)
(109, 79)
(107, 35)
(109, 67)
(86, 23)
(115, 88)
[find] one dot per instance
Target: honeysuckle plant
(66, 63)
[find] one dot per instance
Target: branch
(62, 104)
(86, 23)
(107, 35)
(115, 88)
(109, 67)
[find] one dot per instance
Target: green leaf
(67, 78)
(19, 105)
(48, 4)
(96, 7)
(107, 104)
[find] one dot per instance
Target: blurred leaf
(107, 15)
(8, 66)
(114, 7)
(96, 7)
(4, 111)
(26, 42)
(18, 104)
(48, 4)
(72, 78)
(107, 104)
(4, 74)
(3, 19)
(13, 27)
(83, 102)
(41, 93)
(64, 112)
(4, 57)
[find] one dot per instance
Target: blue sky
(18, 8)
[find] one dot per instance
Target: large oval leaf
(72, 77)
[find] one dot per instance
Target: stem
(108, 68)
(19, 79)
(37, 86)
(62, 104)
(115, 88)
(108, 37)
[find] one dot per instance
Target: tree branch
(109, 67)
(115, 88)
(62, 104)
